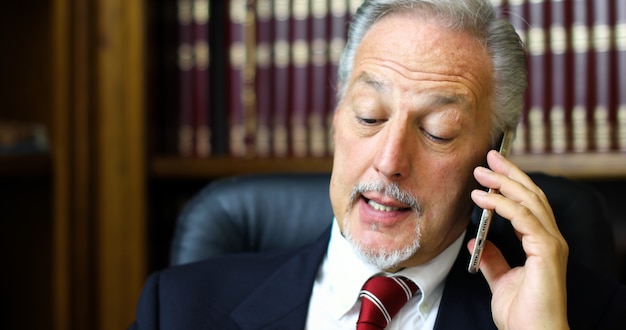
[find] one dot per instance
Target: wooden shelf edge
(575, 166)
(31, 165)
(584, 166)
(209, 168)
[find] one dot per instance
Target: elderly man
(426, 89)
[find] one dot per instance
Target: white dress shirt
(335, 300)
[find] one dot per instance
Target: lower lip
(369, 215)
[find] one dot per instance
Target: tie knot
(382, 298)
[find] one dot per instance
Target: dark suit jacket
(271, 290)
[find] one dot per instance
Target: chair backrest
(272, 211)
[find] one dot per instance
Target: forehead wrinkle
(425, 98)
(457, 76)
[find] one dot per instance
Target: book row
(576, 100)
(255, 78)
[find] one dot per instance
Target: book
(538, 78)
(299, 82)
(353, 5)
(281, 48)
(237, 59)
(580, 41)
(559, 64)
(185, 78)
(620, 46)
(514, 11)
(339, 14)
(200, 71)
(319, 78)
(219, 77)
(601, 43)
(249, 78)
(263, 78)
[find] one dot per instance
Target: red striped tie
(382, 298)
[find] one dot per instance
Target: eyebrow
(373, 82)
(442, 100)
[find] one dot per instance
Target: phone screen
(486, 216)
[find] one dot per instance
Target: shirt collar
(346, 273)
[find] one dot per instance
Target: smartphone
(485, 218)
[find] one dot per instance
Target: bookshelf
(84, 213)
(584, 166)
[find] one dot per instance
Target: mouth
(384, 208)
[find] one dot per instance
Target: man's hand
(532, 296)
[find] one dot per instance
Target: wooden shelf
(39, 165)
(210, 168)
(583, 166)
(575, 166)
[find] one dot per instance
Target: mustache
(389, 190)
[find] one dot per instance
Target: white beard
(383, 258)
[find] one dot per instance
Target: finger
(520, 189)
(524, 220)
(501, 165)
(537, 240)
(492, 265)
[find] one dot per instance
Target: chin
(380, 256)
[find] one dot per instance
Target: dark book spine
(299, 77)
(580, 80)
(319, 78)
(263, 78)
(185, 78)
(538, 77)
(201, 92)
(219, 77)
(601, 36)
(620, 45)
(280, 120)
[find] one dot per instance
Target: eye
(368, 121)
(435, 138)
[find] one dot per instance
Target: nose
(394, 152)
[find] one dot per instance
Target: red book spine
(237, 58)
(538, 78)
(339, 12)
(185, 77)
(559, 64)
(201, 78)
(263, 78)
(580, 79)
(516, 16)
(319, 78)
(601, 36)
(299, 78)
(280, 139)
(620, 45)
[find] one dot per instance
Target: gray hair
(476, 17)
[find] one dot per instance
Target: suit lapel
(282, 301)
(466, 300)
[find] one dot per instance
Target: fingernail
(483, 169)
(480, 193)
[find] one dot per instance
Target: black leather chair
(272, 211)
